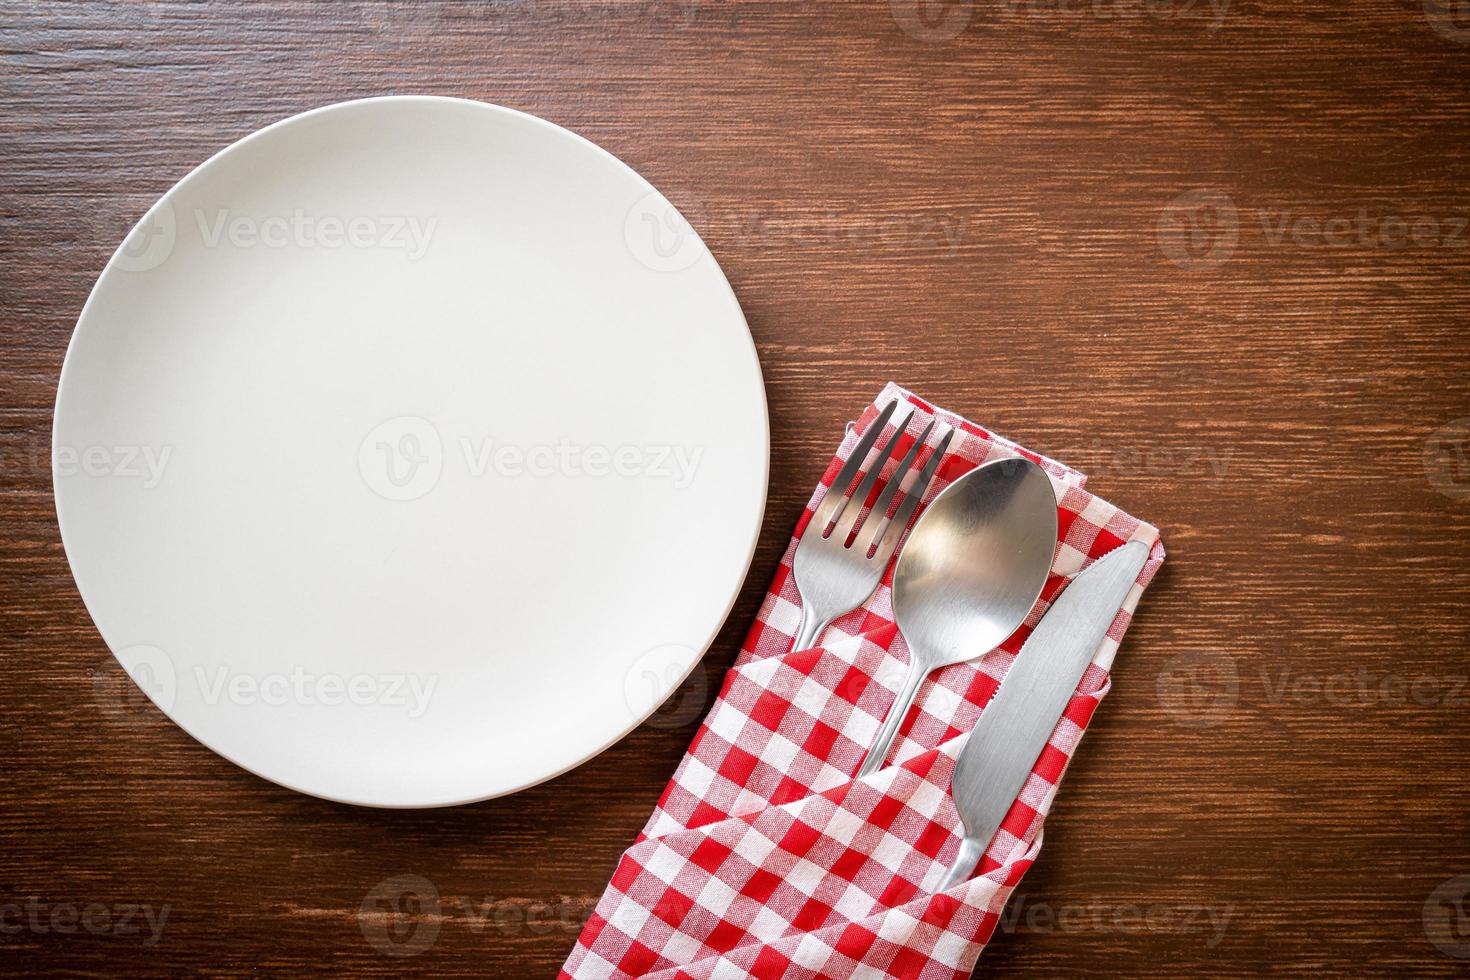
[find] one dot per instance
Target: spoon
(974, 565)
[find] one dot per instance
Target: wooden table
(1214, 255)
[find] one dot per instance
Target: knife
(1015, 726)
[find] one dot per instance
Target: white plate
(410, 452)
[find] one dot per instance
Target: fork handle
(810, 629)
(883, 741)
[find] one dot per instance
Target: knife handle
(965, 862)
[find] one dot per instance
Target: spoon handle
(883, 741)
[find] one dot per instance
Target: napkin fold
(766, 858)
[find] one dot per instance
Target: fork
(836, 571)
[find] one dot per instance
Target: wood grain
(1215, 255)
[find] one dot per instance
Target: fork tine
(837, 493)
(878, 518)
(889, 542)
(859, 499)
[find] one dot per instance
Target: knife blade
(1014, 728)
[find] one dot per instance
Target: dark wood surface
(1215, 256)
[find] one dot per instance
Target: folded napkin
(766, 858)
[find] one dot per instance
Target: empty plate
(410, 451)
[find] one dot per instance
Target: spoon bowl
(974, 565)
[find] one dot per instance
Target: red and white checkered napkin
(766, 858)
